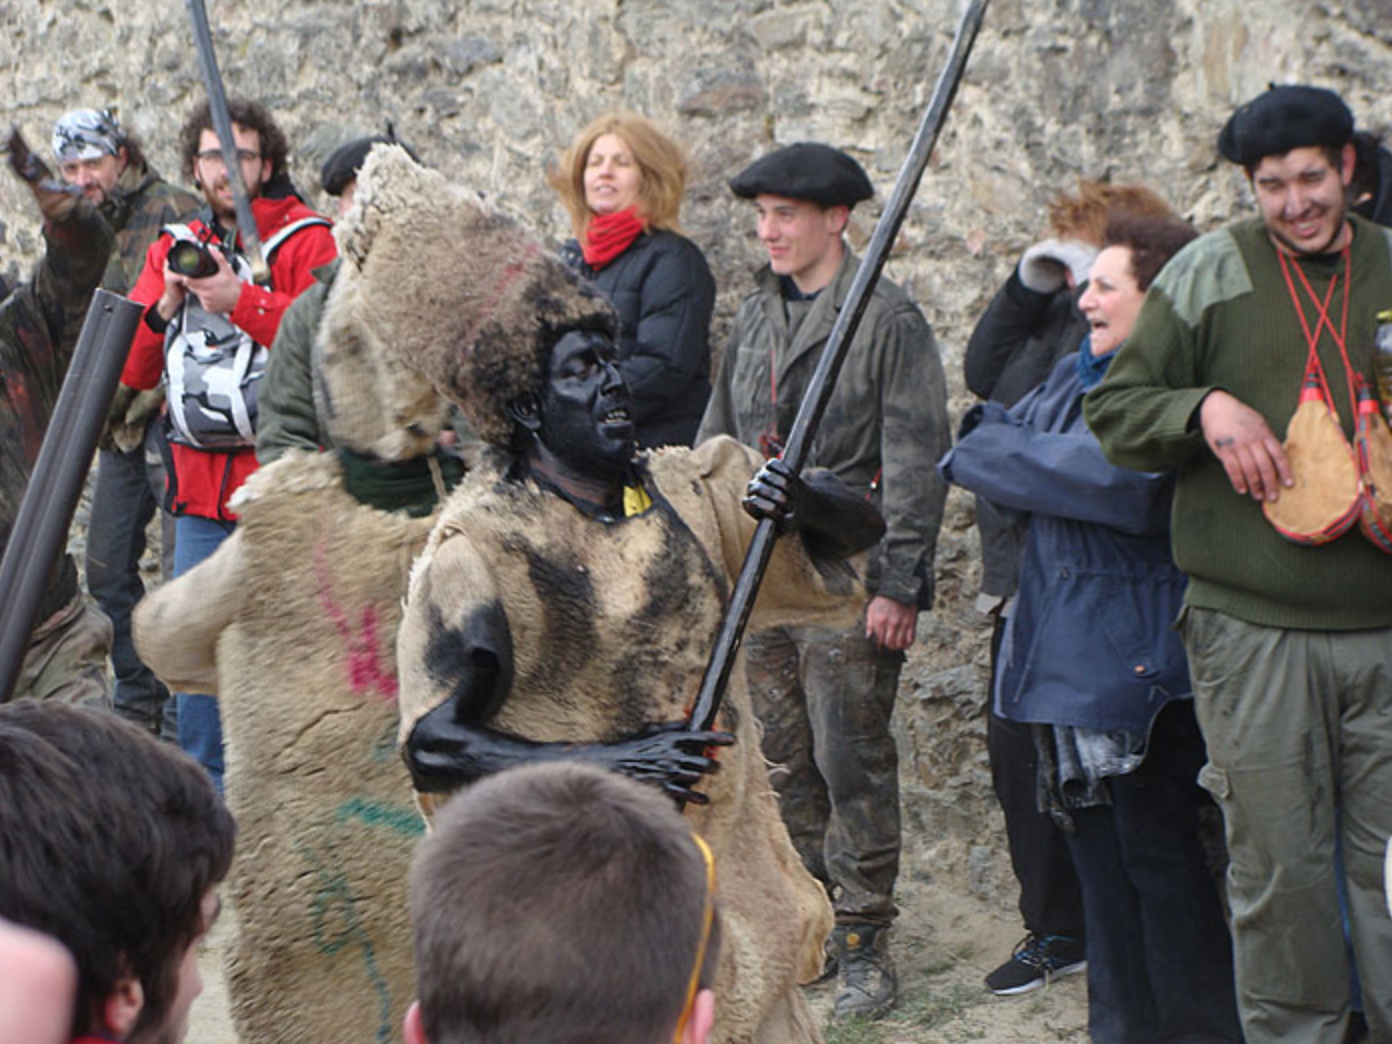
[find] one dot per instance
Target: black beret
(808, 170)
(1282, 119)
(346, 161)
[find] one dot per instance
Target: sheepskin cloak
(292, 624)
(611, 626)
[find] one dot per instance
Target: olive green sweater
(1220, 316)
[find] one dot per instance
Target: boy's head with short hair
(111, 843)
(561, 904)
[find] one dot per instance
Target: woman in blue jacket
(1091, 657)
(622, 181)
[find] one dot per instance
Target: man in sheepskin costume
(565, 606)
(569, 597)
(292, 624)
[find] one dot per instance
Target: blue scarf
(1091, 368)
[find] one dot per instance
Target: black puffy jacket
(1015, 346)
(664, 293)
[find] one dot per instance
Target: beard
(578, 441)
(1325, 246)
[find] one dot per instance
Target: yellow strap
(707, 921)
(635, 501)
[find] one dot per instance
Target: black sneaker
(1036, 960)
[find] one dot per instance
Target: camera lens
(191, 260)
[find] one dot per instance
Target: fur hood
(459, 292)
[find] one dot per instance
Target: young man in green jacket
(1289, 645)
(825, 695)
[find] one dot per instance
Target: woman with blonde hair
(622, 180)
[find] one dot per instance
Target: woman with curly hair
(622, 181)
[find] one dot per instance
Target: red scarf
(609, 235)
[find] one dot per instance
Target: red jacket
(202, 479)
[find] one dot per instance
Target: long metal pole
(40, 528)
(823, 381)
(222, 123)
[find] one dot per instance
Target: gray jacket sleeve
(719, 418)
(914, 436)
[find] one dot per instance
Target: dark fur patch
(568, 613)
(678, 582)
(474, 661)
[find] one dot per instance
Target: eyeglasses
(212, 158)
(695, 981)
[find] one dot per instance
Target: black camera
(192, 260)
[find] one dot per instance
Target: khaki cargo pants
(1299, 732)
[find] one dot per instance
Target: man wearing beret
(1289, 644)
(826, 696)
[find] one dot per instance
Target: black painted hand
(669, 755)
(56, 200)
(775, 492)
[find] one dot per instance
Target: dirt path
(945, 942)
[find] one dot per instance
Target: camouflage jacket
(39, 326)
(141, 204)
(885, 426)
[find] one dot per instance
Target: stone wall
(489, 90)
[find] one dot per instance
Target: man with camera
(206, 331)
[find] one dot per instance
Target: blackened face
(586, 412)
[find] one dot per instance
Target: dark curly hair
(109, 841)
(1151, 240)
(250, 114)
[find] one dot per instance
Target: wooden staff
(814, 404)
(222, 123)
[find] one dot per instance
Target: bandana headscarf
(85, 134)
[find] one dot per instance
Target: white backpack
(211, 367)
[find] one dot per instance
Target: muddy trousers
(1299, 732)
(825, 698)
(66, 657)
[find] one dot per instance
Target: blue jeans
(125, 498)
(200, 726)
(1160, 967)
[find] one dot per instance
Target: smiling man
(567, 601)
(1289, 644)
(104, 159)
(832, 690)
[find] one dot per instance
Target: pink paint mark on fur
(493, 299)
(364, 662)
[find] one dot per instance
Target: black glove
(669, 755)
(56, 200)
(775, 492)
(981, 413)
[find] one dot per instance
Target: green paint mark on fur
(384, 750)
(403, 821)
(335, 924)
